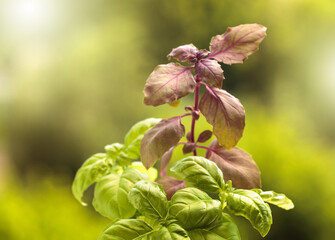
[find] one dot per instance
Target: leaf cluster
(179, 207)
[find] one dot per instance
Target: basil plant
(197, 201)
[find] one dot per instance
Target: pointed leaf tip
(237, 43)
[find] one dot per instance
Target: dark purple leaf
(165, 161)
(189, 136)
(204, 136)
(167, 83)
(188, 147)
(237, 43)
(236, 165)
(225, 113)
(184, 53)
(159, 139)
(210, 71)
(171, 185)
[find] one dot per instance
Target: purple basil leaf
(225, 113)
(165, 161)
(188, 147)
(159, 139)
(210, 71)
(184, 53)
(171, 185)
(237, 43)
(167, 83)
(189, 136)
(204, 136)
(236, 165)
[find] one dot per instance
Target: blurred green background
(71, 79)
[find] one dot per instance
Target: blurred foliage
(71, 75)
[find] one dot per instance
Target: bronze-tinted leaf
(236, 165)
(204, 136)
(160, 139)
(210, 71)
(237, 43)
(171, 185)
(189, 147)
(225, 113)
(167, 83)
(184, 53)
(165, 161)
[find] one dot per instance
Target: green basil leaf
(193, 208)
(200, 172)
(225, 229)
(149, 199)
(113, 150)
(171, 232)
(111, 194)
(135, 135)
(250, 205)
(93, 169)
(127, 229)
(278, 199)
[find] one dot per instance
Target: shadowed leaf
(237, 43)
(171, 185)
(204, 136)
(236, 165)
(167, 83)
(165, 161)
(225, 113)
(160, 139)
(210, 71)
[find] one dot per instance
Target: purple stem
(196, 106)
(185, 115)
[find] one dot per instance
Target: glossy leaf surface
(225, 113)
(170, 232)
(171, 185)
(135, 135)
(160, 139)
(92, 170)
(149, 199)
(250, 205)
(167, 83)
(127, 229)
(236, 165)
(278, 199)
(193, 208)
(184, 53)
(199, 172)
(210, 71)
(225, 229)
(237, 43)
(111, 194)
